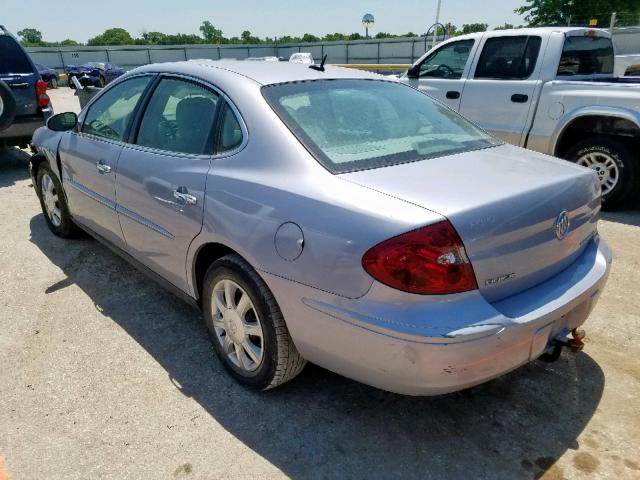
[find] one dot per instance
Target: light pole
(368, 22)
(433, 43)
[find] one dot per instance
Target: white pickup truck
(547, 89)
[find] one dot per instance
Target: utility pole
(435, 32)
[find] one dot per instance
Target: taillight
(41, 93)
(428, 261)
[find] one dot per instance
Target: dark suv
(24, 103)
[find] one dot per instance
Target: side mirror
(62, 122)
(414, 71)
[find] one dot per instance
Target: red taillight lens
(41, 93)
(428, 261)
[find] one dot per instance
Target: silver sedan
(333, 216)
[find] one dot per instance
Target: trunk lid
(504, 203)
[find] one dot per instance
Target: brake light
(427, 261)
(41, 93)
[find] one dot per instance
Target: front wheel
(102, 82)
(53, 83)
(53, 203)
(614, 164)
(246, 326)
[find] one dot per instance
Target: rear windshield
(586, 56)
(12, 57)
(351, 125)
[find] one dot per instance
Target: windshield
(586, 56)
(351, 125)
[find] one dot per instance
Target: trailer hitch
(575, 343)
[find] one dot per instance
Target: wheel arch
(594, 121)
(204, 255)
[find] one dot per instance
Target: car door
(161, 178)
(500, 94)
(90, 155)
(442, 74)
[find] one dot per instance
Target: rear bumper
(421, 345)
(22, 128)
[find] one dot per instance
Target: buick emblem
(561, 227)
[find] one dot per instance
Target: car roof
(263, 73)
(534, 31)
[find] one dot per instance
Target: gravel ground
(104, 375)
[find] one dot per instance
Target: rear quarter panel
(561, 102)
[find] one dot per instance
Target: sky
(80, 20)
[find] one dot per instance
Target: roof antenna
(320, 67)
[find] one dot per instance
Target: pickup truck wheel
(7, 106)
(613, 162)
(54, 204)
(246, 326)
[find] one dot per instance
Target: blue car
(97, 74)
(49, 75)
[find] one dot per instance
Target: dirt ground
(104, 375)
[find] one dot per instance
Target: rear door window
(508, 58)
(109, 116)
(13, 59)
(586, 56)
(179, 118)
(230, 131)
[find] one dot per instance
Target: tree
(154, 38)
(506, 26)
(67, 42)
(30, 36)
(247, 38)
(210, 33)
(452, 30)
(112, 36)
(474, 27)
(307, 37)
(554, 12)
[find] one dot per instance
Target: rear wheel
(54, 204)
(53, 83)
(246, 326)
(614, 163)
(101, 82)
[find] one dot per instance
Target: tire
(102, 82)
(7, 106)
(61, 224)
(615, 163)
(53, 83)
(279, 360)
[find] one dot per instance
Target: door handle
(103, 167)
(182, 195)
(19, 85)
(452, 94)
(519, 98)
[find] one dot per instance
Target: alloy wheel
(237, 326)
(51, 201)
(605, 167)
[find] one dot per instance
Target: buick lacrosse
(332, 216)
